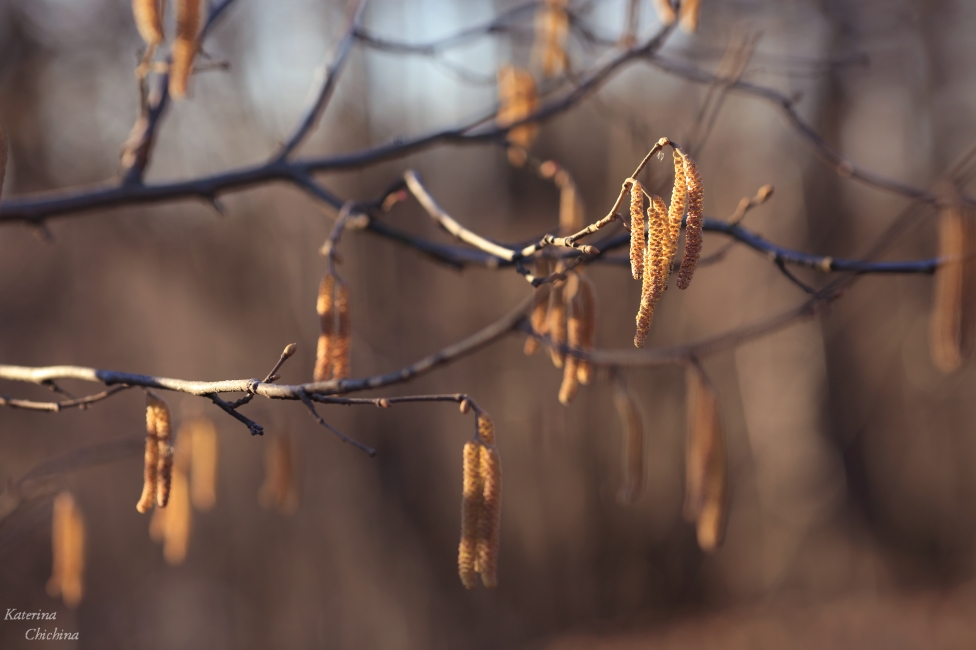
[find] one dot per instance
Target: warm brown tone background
(852, 492)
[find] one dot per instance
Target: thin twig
(343, 437)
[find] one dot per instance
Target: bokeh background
(851, 515)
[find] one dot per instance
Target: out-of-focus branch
(330, 74)
(138, 147)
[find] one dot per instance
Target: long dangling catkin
(557, 326)
(572, 213)
(679, 203)
(653, 282)
(203, 467)
(188, 20)
(325, 306)
(947, 307)
(3, 158)
(587, 305)
(151, 462)
(279, 490)
(574, 338)
(638, 232)
(158, 411)
(149, 21)
(706, 474)
(67, 550)
(172, 525)
(660, 251)
(689, 15)
(489, 533)
(665, 12)
(693, 226)
(518, 99)
(472, 506)
(551, 28)
(540, 306)
(340, 356)
(633, 443)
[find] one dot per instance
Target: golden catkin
(151, 461)
(188, 21)
(340, 355)
(279, 490)
(633, 444)
(172, 525)
(67, 550)
(706, 473)
(551, 28)
(660, 251)
(665, 12)
(149, 21)
(325, 306)
(693, 225)
(3, 158)
(947, 302)
(689, 15)
(472, 506)
(638, 232)
(489, 530)
(574, 337)
(486, 428)
(557, 325)
(203, 466)
(540, 307)
(679, 203)
(518, 99)
(158, 411)
(653, 282)
(587, 299)
(572, 213)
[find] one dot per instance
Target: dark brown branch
(343, 437)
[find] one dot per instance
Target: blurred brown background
(851, 520)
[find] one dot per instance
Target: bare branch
(330, 73)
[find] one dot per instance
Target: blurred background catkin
(851, 520)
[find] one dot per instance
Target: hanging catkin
(587, 306)
(633, 443)
(158, 410)
(340, 356)
(540, 306)
(149, 21)
(706, 472)
(171, 525)
(638, 232)
(693, 226)
(472, 505)
(196, 452)
(517, 100)
(551, 28)
(557, 325)
(651, 286)
(325, 306)
(279, 490)
(689, 15)
(151, 461)
(665, 12)
(679, 203)
(951, 321)
(188, 20)
(574, 338)
(488, 540)
(67, 550)
(572, 213)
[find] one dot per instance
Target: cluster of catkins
(149, 21)
(480, 506)
(654, 240)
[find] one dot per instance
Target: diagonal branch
(330, 74)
